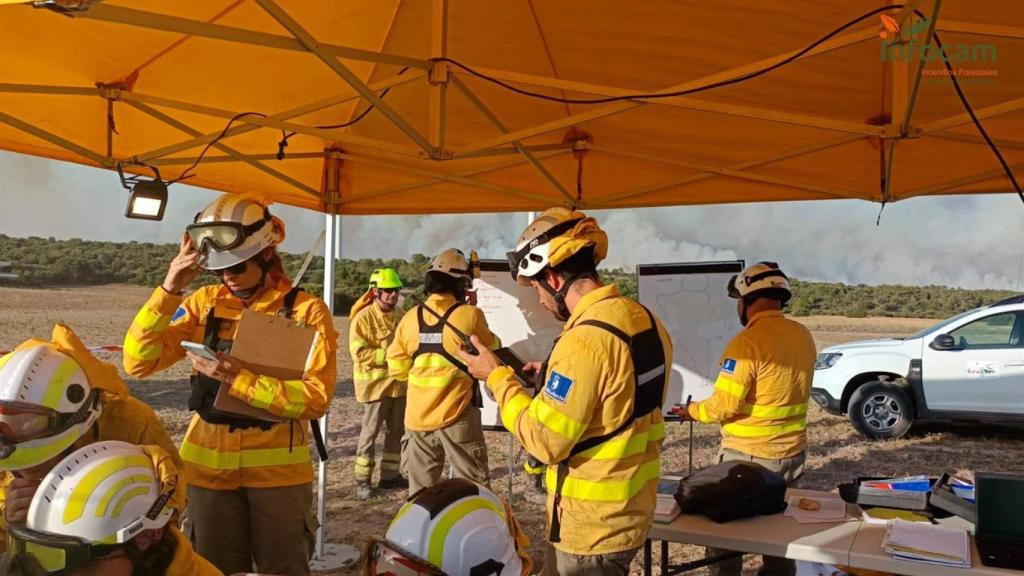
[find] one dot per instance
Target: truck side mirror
(943, 342)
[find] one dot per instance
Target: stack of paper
(928, 543)
(880, 515)
(907, 483)
(666, 509)
(830, 509)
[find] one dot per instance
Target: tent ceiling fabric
(821, 127)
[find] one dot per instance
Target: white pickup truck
(967, 368)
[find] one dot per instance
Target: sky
(958, 241)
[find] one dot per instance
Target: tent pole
(330, 249)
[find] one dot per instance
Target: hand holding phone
(200, 349)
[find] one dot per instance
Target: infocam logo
(903, 44)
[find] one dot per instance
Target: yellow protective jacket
(370, 330)
(609, 494)
(762, 389)
(438, 391)
(186, 561)
(216, 458)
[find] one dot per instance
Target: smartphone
(200, 349)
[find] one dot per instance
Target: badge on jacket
(558, 386)
(728, 366)
(178, 314)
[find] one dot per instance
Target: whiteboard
(691, 301)
(515, 315)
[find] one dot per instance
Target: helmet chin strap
(562, 314)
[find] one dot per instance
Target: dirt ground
(101, 315)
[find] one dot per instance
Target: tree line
(42, 262)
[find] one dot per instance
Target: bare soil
(101, 315)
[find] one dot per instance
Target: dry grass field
(100, 315)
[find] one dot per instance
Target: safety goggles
(35, 553)
(223, 235)
(385, 559)
(21, 422)
(517, 259)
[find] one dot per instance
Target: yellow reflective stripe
(101, 509)
(432, 361)
(619, 448)
(386, 465)
(127, 497)
(295, 392)
(776, 412)
(735, 388)
(511, 410)
(391, 457)
(379, 356)
(375, 374)
(399, 367)
(58, 384)
(753, 431)
(555, 421)
(429, 381)
(702, 413)
(401, 512)
(151, 321)
(139, 351)
(75, 506)
(363, 461)
(356, 343)
(245, 459)
(444, 525)
(607, 490)
(263, 392)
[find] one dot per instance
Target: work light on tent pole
(148, 198)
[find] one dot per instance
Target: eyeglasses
(388, 290)
(235, 269)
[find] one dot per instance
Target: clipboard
(270, 346)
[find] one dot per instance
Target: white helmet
(46, 404)
(106, 492)
(233, 229)
(453, 263)
(456, 527)
(761, 280)
(98, 497)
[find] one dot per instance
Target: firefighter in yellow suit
(442, 414)
(762, 390)
(597, 421)
(371, 328)
(61, 398)
(250, 498)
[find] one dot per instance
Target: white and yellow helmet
(453, 263)
(454, 527)
(106, 493)
(233, 229)
(761, 280)
(46, 404)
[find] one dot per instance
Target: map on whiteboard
(691, 302)
(517, 318)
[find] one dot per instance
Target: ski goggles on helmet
(223, 235)
(35, 553)
(385, 559)
(21, 422)
(517, 259)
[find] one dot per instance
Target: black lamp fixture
(148, 198)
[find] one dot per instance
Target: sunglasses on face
(235, 269)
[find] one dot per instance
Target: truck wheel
(881, 410)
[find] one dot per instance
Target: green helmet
(385, 278)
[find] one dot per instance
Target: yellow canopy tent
(868, 113)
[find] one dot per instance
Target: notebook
(928, 543)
